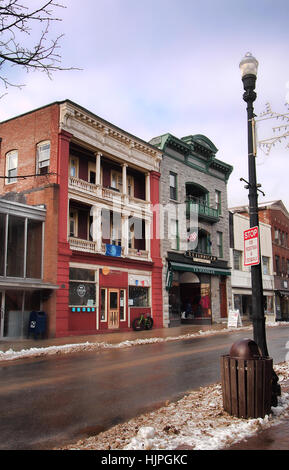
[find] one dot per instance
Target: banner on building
(112, 250)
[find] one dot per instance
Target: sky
(156, 66)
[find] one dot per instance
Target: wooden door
(223, 298)
(113, 308)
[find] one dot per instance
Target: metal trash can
(37, 323)
(246, 381)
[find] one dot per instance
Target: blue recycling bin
(37, 323)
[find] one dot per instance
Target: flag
(112, 250)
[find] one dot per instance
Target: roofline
(59, 103)
(33, 111)
(108, 123)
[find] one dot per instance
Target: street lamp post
(249, 67)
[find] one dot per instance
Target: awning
(283, 292)
(26, 285)
(199, 269)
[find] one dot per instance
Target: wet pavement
(276, 437)
(111, 338)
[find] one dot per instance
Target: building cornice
(100, 135)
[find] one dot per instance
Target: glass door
(113, 308)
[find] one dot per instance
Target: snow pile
(197, 421)
(92, 346)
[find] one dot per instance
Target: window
(218, 203)
(173, 186)
(2, 243)
(122, 305)
(81, 287)
(43, 157)
(237, 259)
(21, 251)
(220, 244)
(276, 235)
(116, 180)
(73, 223)
(265, 262)
(174, 234)
(115, 228)
(103, 304)
(204, 242)
(139, 296)
(34, 249)
(11, 166)
(277, 264)
(73, 167)
(283, 266)
(130, 185)
(15, 246)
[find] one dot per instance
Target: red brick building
(98, 185)
(276, 215)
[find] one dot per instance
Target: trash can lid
(245, 349)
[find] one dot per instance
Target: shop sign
(200, 256)
(81, 290)
(251, 247)
(234, 319)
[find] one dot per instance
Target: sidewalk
(276, 437)
(112, 338)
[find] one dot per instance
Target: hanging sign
(251, 247)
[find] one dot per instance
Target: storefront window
(103, 303)
(205, 301)
(82, 287)
(122, 305)
(139, 296)
(23, 247)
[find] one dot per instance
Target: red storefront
(99, 185)
(106, 279)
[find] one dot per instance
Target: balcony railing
(107, 193)
(205, 212)
(88, 246)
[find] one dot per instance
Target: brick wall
(23, 134)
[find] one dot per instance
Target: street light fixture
(249, 67)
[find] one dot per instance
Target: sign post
(251, 247)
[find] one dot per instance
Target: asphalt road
(55, 400)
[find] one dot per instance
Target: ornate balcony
(205, 212)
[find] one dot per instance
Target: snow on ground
(10, 354)
(197, 421)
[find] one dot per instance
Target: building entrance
(113, 308)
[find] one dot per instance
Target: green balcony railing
(205, 212)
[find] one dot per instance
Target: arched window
(11, 166)
(43, 157)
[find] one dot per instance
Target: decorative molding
(105, 138)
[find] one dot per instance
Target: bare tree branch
(17, 18)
